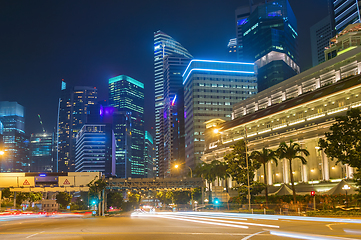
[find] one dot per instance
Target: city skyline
(47, 60)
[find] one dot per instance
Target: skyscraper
(269, 39)
(42, 152)
(242, 15)
(346, 12)
(94, 149)
(164, 45)
(15, 142)
(72, 115)
(210, 90)
(149, 155)
(126, 95)
(321, 33)
(171, 138)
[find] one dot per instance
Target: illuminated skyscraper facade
(94, 149)
(15, 142)
(126, 95)
(72, 113)
(149, 155)
(269, 39)
(164, 45)
(346, 12)
(210, 90)
(42, 152)
(171, 142)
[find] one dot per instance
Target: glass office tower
(149, 154)
(210, 90)
(42, 152)
(270, 40)
(126, 95)
(171, 141)
(15, 142)
(164, 45)
(346, 12)
(93, 152)
(72, 115)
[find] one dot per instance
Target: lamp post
(346, 187)
(1, 154)
(177, 166)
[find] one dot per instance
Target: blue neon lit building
(164, 45)
(346, 12)
(269, 39)
(42, 152)
(149, 155)
(126, 95)
(210, 90)
(15, 142)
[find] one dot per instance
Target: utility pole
(248, 187)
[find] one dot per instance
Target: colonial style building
(301, 108)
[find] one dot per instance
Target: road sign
(66, 181)
(26, 182)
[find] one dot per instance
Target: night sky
(88, 42)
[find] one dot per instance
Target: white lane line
(34, 234)
(254, 234)
(239, 223)
(306, 236)
(211, 223)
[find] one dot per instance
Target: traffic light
(312, 193)
(216, 201)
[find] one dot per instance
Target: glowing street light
(2, 152)
(216, 130)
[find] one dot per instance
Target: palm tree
(207, 171)
(220, 169)
(263, 157)
(293, 151)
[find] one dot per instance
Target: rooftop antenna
(41, 122)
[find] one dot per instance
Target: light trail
(238, 223)
(306, 236)
(206, 222)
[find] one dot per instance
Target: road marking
(254, 234)
(329, 225)
(34, 234)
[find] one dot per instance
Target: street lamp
(346, 187)
(2, 152)
(177, 166)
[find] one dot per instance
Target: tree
(28, 196)
(63, 199)
(343, 142)
(207, 171)
(237, 167)
(220, 169)
(96, 187)
(115, 199)
(263, 157)
(291, 152)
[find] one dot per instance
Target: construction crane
(41, 122)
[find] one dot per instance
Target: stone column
(304, 173)
(349, 171)
(269, 173)
(325, 167)
(285, 171)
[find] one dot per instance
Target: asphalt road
(189, 226)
